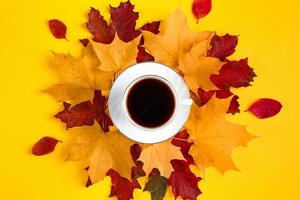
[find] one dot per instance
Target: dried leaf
(99, 28)
(159, 156)
(213, 137)
(201, 8)
(57, 28)
(124, 20)
(234, 74)
(174, 40)
(157, 186)
(265, 108)
(234, 105)
(44, 146)
(181, 140)
(121, 187)
(184, 183)
(222, 46)
(78, 77)
(117, 56)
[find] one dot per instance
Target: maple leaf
(234, 74)
(117, 56)
(159, 156)
(85, 113)
(124, 20)
(102, 151)
(183, 181)
(214, 138)
(222, 46)
(78, 77)
(265, 108)
(99, 28)
(174, 40)
(203, 97)
(234, 105)
(156, 185)
(180, 140)
(121, 187)
(201, 8)
(44, 146)
(57, 28)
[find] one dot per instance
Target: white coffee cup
(118, 107)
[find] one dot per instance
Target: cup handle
(186, 102)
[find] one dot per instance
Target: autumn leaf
(121, 187)
(201, 8)
(214, 138)
(234, 105)
(202, 97)
(57, 28)
(157, 186)
(152, 27)
(265, 108)
(78, 77)
(99, 28)
(117, 56)
(222, 46)
(124, 21)
(159, 156)
(234, 74)
(174, 40)
(180, 140)
(44, 146)
(183, 182)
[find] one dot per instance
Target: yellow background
(269, 35)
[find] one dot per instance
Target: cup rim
(143, 78)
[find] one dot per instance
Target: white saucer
(117, 109)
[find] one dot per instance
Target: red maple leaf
(121, 187)
(223, 93)
(99, 28)
(57, 28)
(85, 113)
(234, 105)
(152, 27)
(222, 46)
(265, 108)
(202, 98)
(180, 140)
(124, 21)
(184, 183)
(44, 146)
(234, 74)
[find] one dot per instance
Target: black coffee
(150, 102)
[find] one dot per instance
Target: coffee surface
(150, 103)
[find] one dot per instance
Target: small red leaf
(234, 74)
(184, 183)
(223, 93)
(84, 42)
(234, 105)
(121, 187)
(99, 28)
(265, 108)
(201, 8)
(222, 46)
(124, 21)
(44, 146)
(152, 27)
(180, 140)
(203, 96)
(143, 56)
(79, 115)
(57, 28)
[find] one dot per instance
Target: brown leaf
(57, 28)
(44, 146)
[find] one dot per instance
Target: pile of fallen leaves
(201, 58)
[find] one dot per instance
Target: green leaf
(157, 186)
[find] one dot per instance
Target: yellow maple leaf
(78, 77)
(214, 138)
(159, 156)
(174, 40)
(102, 151)
(118, 55)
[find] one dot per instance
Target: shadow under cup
(150, 102)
